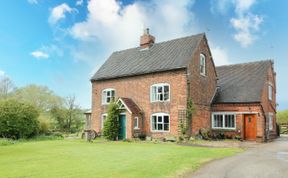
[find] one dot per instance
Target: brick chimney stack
(146, 40)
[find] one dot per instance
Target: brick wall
(270, 106)
(202, 88)
(241, 110)
(138, 89)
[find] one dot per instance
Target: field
(77, 158)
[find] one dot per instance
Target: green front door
(122, 132)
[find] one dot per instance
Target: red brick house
(153, 82)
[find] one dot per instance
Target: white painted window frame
(202, 64)
(104, 95)
(270, 120)
(157, 85)
(137, 121)
(223, 120)
(102, 119)
(157, 115)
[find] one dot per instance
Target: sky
(62, 43)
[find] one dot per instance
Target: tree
(18, 119)
(111, 125)
(69, 117)
(40, 96)
(6, 87)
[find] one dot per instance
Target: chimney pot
(146, 40)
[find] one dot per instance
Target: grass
(77, 158)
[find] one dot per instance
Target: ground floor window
(160, 122)
(103, 118)
(223, 121)
(270, 121)
(136, 123)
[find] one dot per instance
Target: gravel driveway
(267, 160)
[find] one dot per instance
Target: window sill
(137, 128)
(168, 101)
(160, 131)
(224, 129)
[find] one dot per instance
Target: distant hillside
(282, 116)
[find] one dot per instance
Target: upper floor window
(160, 92)
(108, 95)
(202, 64)
(270, 92)
(223, 121)
(160, 122)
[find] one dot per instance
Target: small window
(160, 92)
(202, 64)
(136, 123)
(103, 119)
(270, 92)
(270, 121)
(160, 122)
(108, 95)
(223, 121)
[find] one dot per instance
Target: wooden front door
(250, 127)
(122, 131)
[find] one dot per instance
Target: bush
(44, 125)
(5, 142)
(18, 120)
(111, 125)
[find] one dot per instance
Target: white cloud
(2, 73)
(39, 54)
(32, 1)
(58, 13)
(245, 23)
(79, 3)
(118, 27)
(220, 56)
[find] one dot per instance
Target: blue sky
(61, 43)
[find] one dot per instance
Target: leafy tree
(282, 116)
(111, 125)
(18, 119)
(40, 96)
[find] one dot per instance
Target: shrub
(18, 120)
(44, 124)
(111, 125)
(142, 136)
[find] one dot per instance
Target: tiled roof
(241, 83)
(164, 56)
(131, 105)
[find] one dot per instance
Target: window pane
(159, 118)
(154, 93)
(136, 123)
(229, 121)
(108, 99)
(218, 120)
(166, 127)
(154, 126)
(166, 119)
(108, 93)
(160, 126)
(160, 89)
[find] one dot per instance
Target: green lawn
(77, 158)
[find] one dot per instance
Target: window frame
(153, 98)
(104, 98)
(223, 114)
(102, 119)
(157, 115)
(136, 127)
(270, 121)
(270, 91)
(202, 56)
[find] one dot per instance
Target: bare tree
(6, 87)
